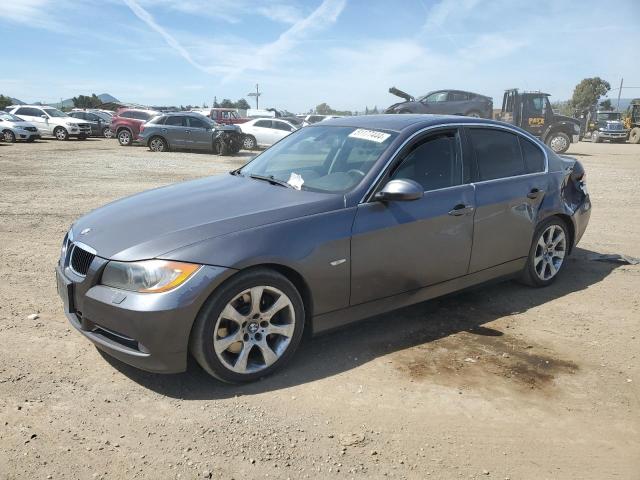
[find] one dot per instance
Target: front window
(435, 97)
(322, 158)
(604, 116)
(54, 112)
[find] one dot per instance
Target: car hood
(564, 118)
(158, 221)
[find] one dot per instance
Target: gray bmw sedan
(335, 223)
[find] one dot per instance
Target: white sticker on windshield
(371, 135)
(295, 181)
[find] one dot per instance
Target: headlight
(150, 276)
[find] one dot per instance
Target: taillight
(141, 127)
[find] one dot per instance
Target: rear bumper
(147, 331)
(581, 218)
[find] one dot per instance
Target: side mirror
(400, 190)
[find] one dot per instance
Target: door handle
(460, 209)
(534, 193)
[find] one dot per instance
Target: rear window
(497, 152)
(263, 123)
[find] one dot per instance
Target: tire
(106, 132)
(249, 142)
(558, 142)
(61, 133)
(31, 139)
(8, 136)
(249, 323)
(125, 138)
(474, 114)
(548, 252)
(158, 144)
(595, 137)
(634, 135)
(82, 137)
(220, 147)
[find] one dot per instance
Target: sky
(346, 53)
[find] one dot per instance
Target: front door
(199, 134)
(534, 113)
(397, 247)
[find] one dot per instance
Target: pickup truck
(228, 116)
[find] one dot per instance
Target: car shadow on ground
(248, 154)
(348, 348)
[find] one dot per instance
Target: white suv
(13, 128)
(52, 122)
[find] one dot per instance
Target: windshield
(608, 116)
(10, 117)
(54, 112)
(322, 158)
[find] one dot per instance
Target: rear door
(508, 192)
(263, 132)
(199, 135)
(397, 247)
(280, 129)
(34, 115)
(457, 103)
(175, 131)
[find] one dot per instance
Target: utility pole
(619, 93)
(256, 94)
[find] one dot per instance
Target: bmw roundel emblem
(85, 231)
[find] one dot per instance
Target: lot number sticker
(371, 135)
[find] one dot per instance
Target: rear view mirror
(400, 190)
(43, 116)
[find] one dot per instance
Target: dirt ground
(500, 382)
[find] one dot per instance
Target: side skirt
(340, 318)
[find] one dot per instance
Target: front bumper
(147, 331)
(609, 135)
(26, 135)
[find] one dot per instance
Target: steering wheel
(354, 170)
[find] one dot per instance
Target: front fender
(317, 247)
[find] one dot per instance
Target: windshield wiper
(270, 179)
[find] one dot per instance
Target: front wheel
(547, 253)
(106, 132)
(220, 147)
(595, 137)
(634, 135)
(558, 142)
(249, 327)
(61, 134)
(8, 136)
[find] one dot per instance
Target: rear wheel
(558, 142)
(474, 114)
(61, 133)
(8, 136)
(106, 132)
(249, 142)
(158, 144)
(249, 327)
(547, 253)
(634, 135)
(124, 137)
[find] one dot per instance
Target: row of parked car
(30, 122)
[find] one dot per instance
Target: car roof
(400, 122)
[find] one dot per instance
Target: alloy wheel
(124, 137)
(254, 329)
(248, 143)
(550, 252)
(157, 145)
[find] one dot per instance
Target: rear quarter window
(533, 156)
